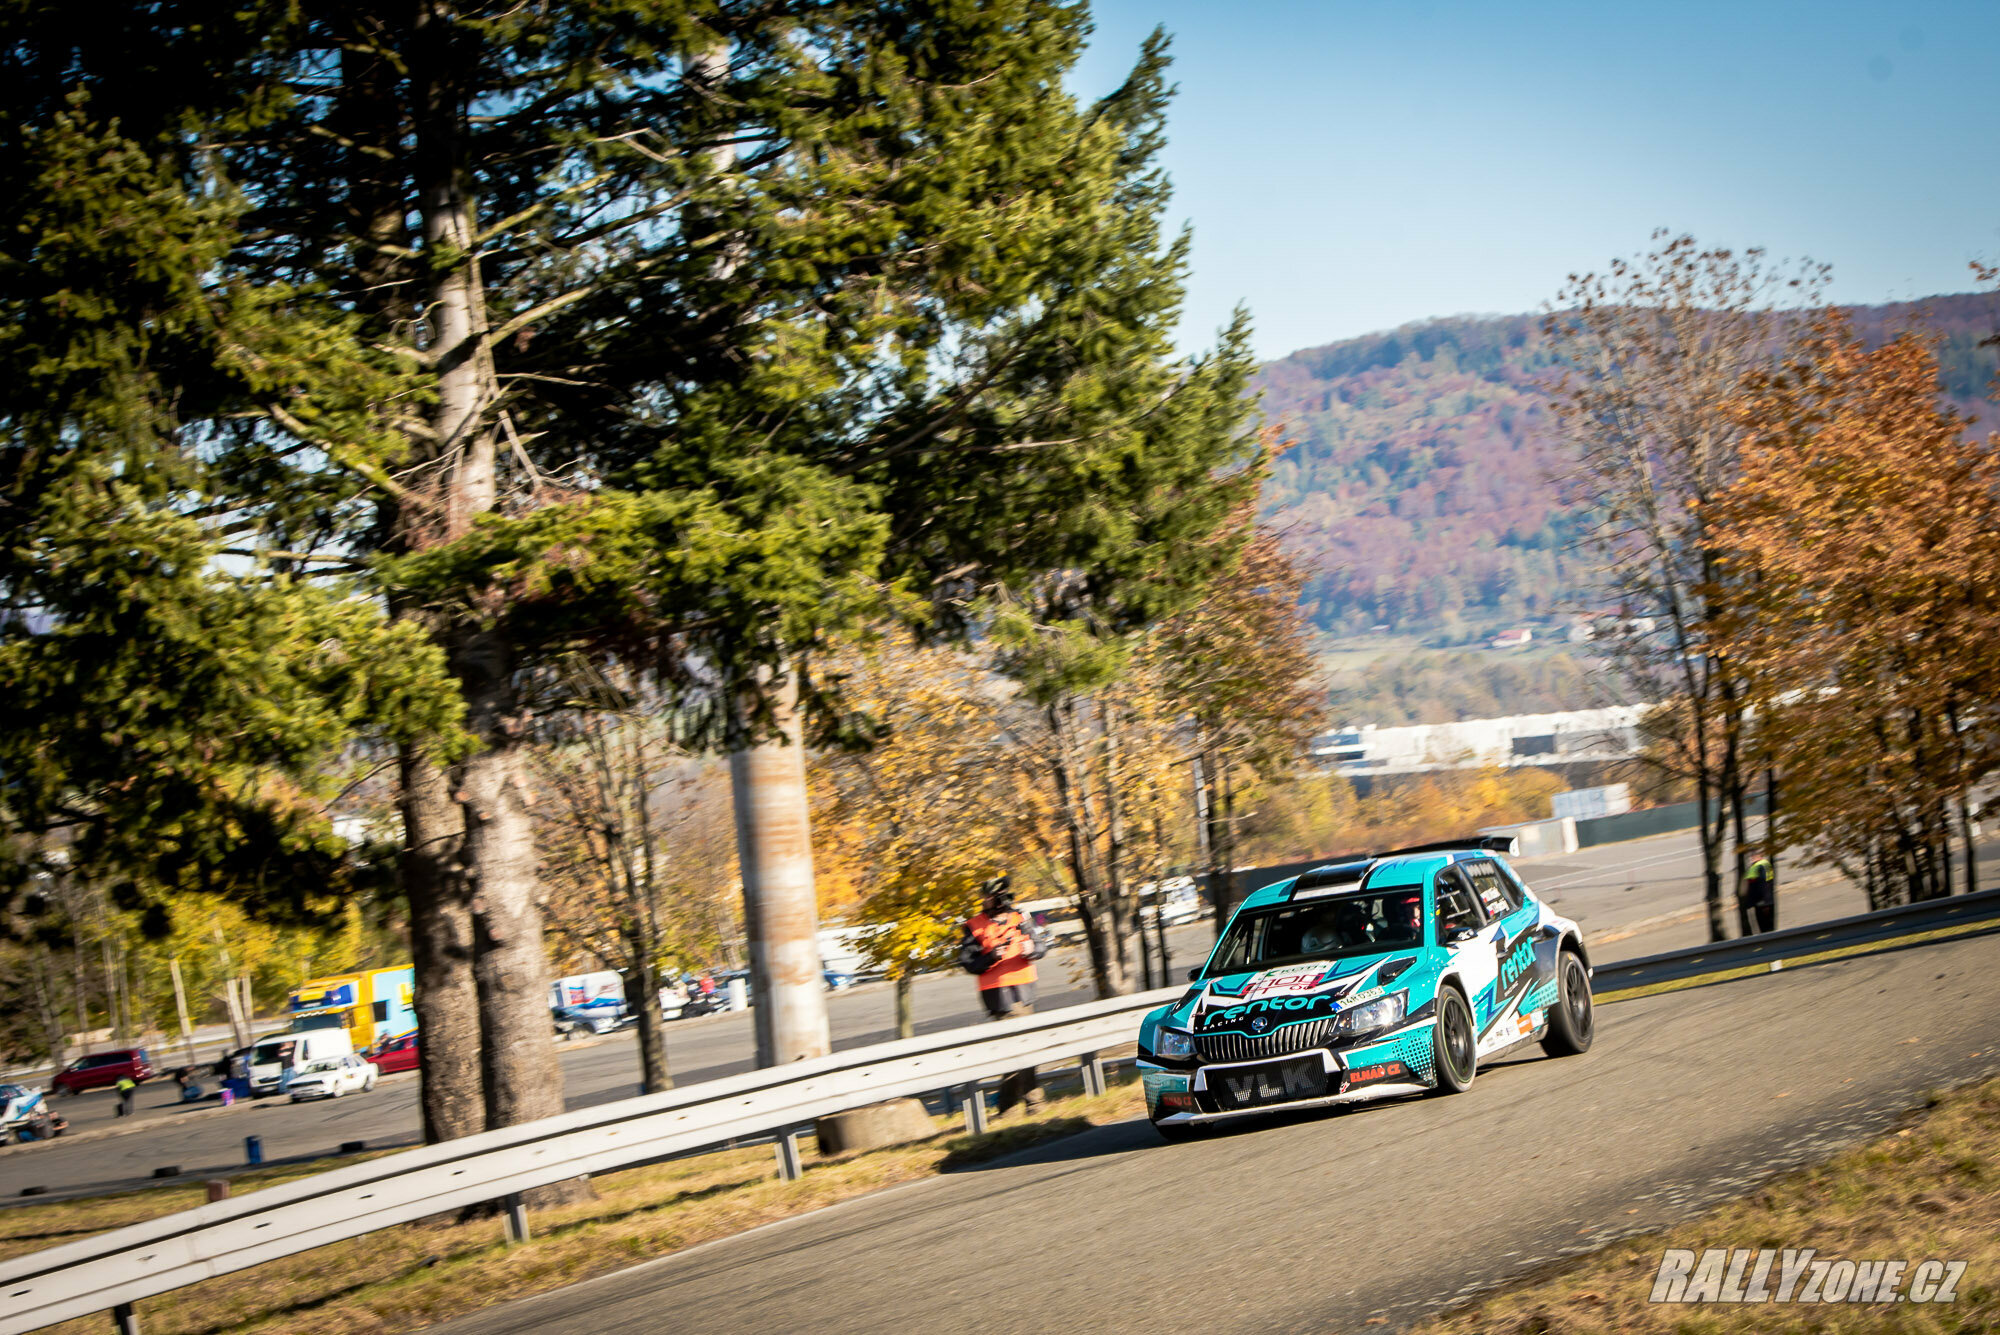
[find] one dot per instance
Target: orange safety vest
(1007, 936)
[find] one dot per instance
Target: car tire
(1573, 1019)
(1454, 1043)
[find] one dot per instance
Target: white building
(1520, 739)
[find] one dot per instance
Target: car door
(1527, 955)
(1462, 929)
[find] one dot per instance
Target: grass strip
(417, 1274)
(1929, 1190)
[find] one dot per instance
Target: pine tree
(696, 334)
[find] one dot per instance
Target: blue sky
(1349, 166)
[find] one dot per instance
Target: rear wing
(1485, 843)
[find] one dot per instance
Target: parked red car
(100, 1069)
(394, 1054)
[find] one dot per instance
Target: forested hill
(1418, 493)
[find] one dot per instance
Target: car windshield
(1338, 927)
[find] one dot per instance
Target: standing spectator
(127, 1087)
(1760, 896)
(999, 944)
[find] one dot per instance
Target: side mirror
(1194, 973)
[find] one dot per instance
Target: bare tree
(632, 853)
(1652, 354)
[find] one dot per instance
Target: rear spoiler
(1485, 843)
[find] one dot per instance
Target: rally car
(1384, 974)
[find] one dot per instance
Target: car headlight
(1375, 1015)
(1172, 1043)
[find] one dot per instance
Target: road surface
(1325, 1222)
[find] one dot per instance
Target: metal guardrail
(1791, 943)
(113, 1270)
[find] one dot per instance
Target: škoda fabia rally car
(1392, 974)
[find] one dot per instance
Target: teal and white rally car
(1394, 973)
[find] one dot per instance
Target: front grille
(1300, 1037)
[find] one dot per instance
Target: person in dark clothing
(1760, 895)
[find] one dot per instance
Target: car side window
(1457, 909)
(1497, 895)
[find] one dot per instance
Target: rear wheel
(1573, 1019)
(1454, 1047)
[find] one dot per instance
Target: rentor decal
(1516, 963)
(1280, 1010)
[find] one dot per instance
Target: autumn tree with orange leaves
(1863, 534)
(918, 808)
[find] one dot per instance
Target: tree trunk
(780, 907)
(655, 1076)
(524, 1079)
(453, 1088)
(1738, 800)
(1965, 834)
(1771, 838)
(1126, 911)
(906, 1006)
(1216, 877)
(1710, 808)
(1073, 801)
(1146, 972)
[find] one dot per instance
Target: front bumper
(1379, 1066)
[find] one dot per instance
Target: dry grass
(1930, 1190)
(406, 1277)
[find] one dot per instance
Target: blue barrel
(253, 1149)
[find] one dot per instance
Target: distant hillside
(1419, 490)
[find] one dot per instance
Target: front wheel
(1573, 1019)
(1454, 1049)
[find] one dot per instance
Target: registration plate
(1279, 1082)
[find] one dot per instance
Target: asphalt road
(1618, 893)
(1325, 1222)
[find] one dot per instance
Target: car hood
(1257, 1002)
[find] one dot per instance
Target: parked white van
(275, 1054)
